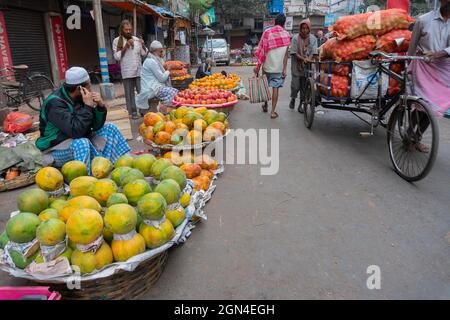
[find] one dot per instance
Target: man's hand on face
(97, 98)
(87, 96)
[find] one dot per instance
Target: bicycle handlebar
(376, 54)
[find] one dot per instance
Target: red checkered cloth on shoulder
(273, 38)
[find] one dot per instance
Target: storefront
(24, 27)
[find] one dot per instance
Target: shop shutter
(27, 39)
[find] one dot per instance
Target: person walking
(129, 51)
(320, 38)
(303, 48)
(272, 54)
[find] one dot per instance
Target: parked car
(219, 48)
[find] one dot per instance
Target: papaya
(67, 253)
(156, 237)
(170, 190)
(190, 117)
(163, 138)
(124, 161)
(117, 173)
(120, 218)
(125, 249)
(51, 232)
(174, 157)
(185, 199)
(33, 200)
(89, 261)
(130, 176)
(135, 190)
(22, 227)
(3, 240)
(180, 112)
(58, 204)
(200, 125)
(144, 163)
(194, 137)
(176, 216)
(49, 179)
(211, 134)
(85, 202)
(175, 173)
(158, 127)
(103, 189)
(48, 214)
(73, 169)
(159, 166)
(82, 186)
(192, 170)
(101, 167)
(20, 261)
(116, 198)
(84, 226)
(152, 118)
(66, 212)
(152, 206)
(169, 127)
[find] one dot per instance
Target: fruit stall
(104, 231)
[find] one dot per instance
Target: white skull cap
(156, 45)
(76, 75)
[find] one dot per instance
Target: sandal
(264, 108)
(422, 148)
(274, 115)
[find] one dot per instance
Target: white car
(218, 49)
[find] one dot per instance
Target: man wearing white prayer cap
(72, 124)
(155, 79)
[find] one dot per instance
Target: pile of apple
(202, 96)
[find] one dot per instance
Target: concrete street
(310, 232)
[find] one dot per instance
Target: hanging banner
(5, 59)
(208, 18)
(60, 47)
(289, 25)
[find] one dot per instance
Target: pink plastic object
(16, 293)
(208, 106)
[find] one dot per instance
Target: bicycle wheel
(36, 88)
(309, 104)
(413, 139)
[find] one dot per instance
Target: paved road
(334, 208)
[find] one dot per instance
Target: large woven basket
(123, 285)
(23, 180)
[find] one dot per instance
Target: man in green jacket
(72, 124)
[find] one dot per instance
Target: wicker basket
(182, 84)
(123, 285)
(23, 180)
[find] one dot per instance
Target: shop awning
(162, 11)
(141, 7)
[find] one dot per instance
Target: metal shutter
(27, 39)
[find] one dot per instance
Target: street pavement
(312, 230)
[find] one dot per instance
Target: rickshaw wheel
(413, 139)
(309, 104)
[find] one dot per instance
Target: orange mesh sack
(387, 42)
(338, 84)
(374, 23)
(339, 69)
(178, 73)
(176, 65)
(17, 122)
(348, 50)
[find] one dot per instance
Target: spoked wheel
(36, 89)
(309, 104)
(413, 139)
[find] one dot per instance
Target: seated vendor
(155, 79)
(72, 124)
(205, 69)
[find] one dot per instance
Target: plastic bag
(348, 50)
(17, 122)
(365, 73)
(374, 23)
(387, 42)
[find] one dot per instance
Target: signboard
(330, 19)
(5, 58)
(289, 26)
(60, 47)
